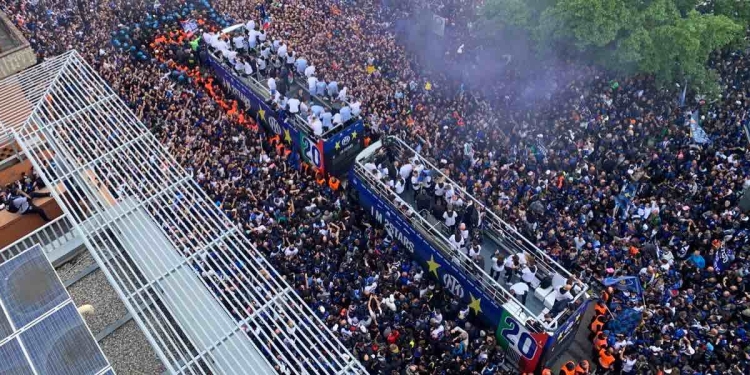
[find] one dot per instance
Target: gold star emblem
(262, 114)
(476, 304)
(338, 145)
(354, 134)
(433, 266)
(287, 136)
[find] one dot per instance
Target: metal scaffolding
(162, 243)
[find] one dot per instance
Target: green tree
(667, 38)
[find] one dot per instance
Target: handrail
(501, 225)
(38, 236)
(260, 89)
(493, 289)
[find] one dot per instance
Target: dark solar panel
(5, 328)
(58, 344)
(12, 360)
(62, 345)
(29, 287)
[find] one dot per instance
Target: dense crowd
(601, 173)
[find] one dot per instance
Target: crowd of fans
(602, 174)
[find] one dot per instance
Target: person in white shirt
(311, 82)
(230, 55)
(456, 242)
(262, 65)
(290, 58)
(250, 25)
(439, 190)
(317, 126)
(272, 85)
(528, 272)
(497, 265)
(293, 105)
(337, 119)
(405, 170)
(562, 298)
(475, 251)
(262, 36)
(450, 216)
(239, 42)
(252, 39)
(310, 71)
(415, 183)
(248, 68)
(520, 290)
(239, 65)
(511, 265)
(356, 108)
(342, 94)
(282, 50)
(303, 108)
(399, 185)
(464, 231)
(449, 192)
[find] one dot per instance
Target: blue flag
(696, 131)
(723, 259)
(625, 284)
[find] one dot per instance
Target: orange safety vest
(605, 296)
(600, 308)
(605, 359)
(596, 325)
(367, 141)
(274, 139)
(564, 369)
(279, 148)
(334, 183)
(321, 179)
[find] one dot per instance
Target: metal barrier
(51, 236)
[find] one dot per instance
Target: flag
(190, 25)
(682, 96)
(696, 131)
(724, 257)
(540, 147)
(625, 283)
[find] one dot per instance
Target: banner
(565, 334)
(625, 284)
(723, 259)
(189, 26)
(342, 148)
(438, 25)
(510, 333)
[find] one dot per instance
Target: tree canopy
(671, 39)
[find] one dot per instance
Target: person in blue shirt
(698, 260)
(333, 89)
(317, 110)
(320, 87)
(300, 65)
(327, 118)
(346, 113)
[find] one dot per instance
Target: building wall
(19, 57)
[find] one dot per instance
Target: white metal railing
(471, 269)
(50, 236)
(494, 225)
(109, 175)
